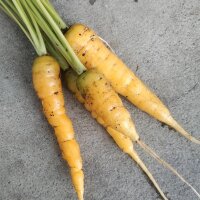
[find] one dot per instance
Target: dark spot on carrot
(55, 93)
(79, 50)
(83, 54)
(112, 108)
(83, 95)
(80, 34)
(86, 29)
(92, 37)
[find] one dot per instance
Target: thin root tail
(137, 159)
(171, 122)
(150, 151)
(126, 145)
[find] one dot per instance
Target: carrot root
(152, 153)
(95, 53)
(107, 44)
(137, 159)
(47, 84)
(171, 122)
(126, 145)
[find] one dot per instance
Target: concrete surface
(162, 37)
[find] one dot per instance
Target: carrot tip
(150, 151)
(173, 123)
(137, 159)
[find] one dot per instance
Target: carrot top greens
(17, 10)
(42, 25)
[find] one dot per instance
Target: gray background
(162, 37)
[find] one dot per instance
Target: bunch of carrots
(94, 73)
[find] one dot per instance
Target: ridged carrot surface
(93, 53)
(105, 104)
(47, 83)
(107, 108)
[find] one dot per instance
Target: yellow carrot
(107, 108)
(98, 96)
(47, 83)
(93, 53)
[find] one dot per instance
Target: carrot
(95, 92)
(120, 132)
(47, 84)
(42, 14)
(107, 108)
(93, 53)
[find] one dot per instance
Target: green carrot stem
(55, 16)
(11, 5)
(12, 12)
(28, 24)
(21, 14)
(47, 30)
(72, 58)
(37, 29)
(56, 54)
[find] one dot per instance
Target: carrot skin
(91, 85)
(106, 107)
(47, 84)
(105, 104)
(93, 53)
